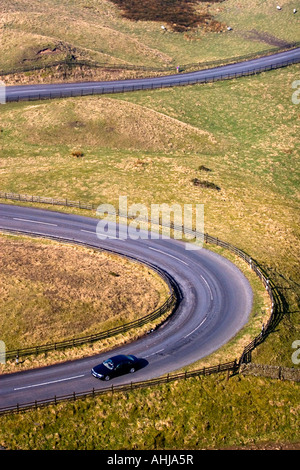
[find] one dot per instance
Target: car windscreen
(109, 364)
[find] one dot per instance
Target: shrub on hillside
(179, 14)
(205, 184)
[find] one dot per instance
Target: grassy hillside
(51, 292)
(151, 145)
(112, 33)
(206, 413)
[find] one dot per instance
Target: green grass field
(206, 413)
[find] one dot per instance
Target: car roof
(119, 358)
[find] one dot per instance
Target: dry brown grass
(50, 292)
(61, 73)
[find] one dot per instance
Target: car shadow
(140, 364)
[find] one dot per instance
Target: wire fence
(72, 63)
(137, 85)
(277, 310)
(47, 200)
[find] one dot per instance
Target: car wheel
(132, 370)
(107, 377)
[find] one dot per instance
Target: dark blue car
(114, 366)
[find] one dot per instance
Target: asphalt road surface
(15, 93)
(216, 302)
(216, 297)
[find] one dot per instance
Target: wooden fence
(229, 367)
(277, 302)
(277, 310)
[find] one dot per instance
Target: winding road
(216, 302)
(216, 297)
(32, 92)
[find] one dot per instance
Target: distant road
(216, 303)
(57, 90)
(216, 297)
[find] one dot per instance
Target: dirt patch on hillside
(266, 38)
(63, 73)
